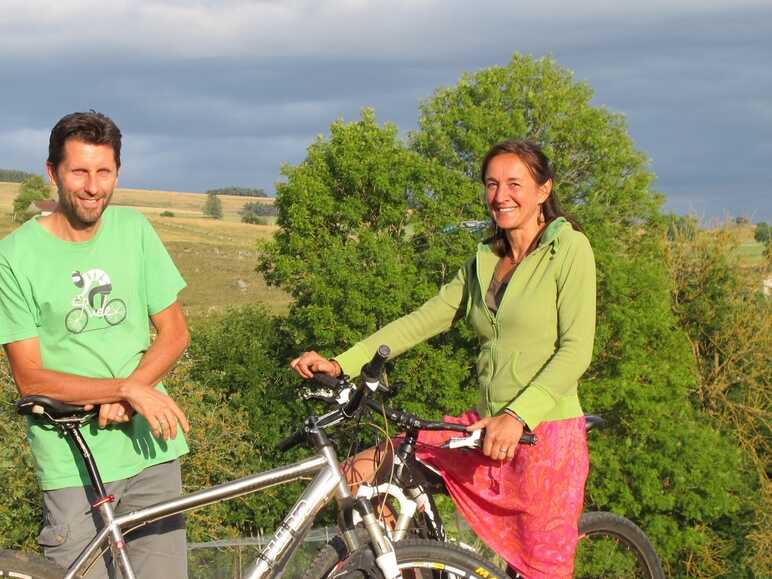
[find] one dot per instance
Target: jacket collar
(487, 260)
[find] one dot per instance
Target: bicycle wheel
(115, 312)
(416, 558)
(76, 320)
(26, 566)
(612, 546)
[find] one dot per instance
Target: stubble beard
(78, 217)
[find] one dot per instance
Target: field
(216, 258)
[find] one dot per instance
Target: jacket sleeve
(576, 287)
(434, 317)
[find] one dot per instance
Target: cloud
(216, 92)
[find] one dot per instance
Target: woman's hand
(309, 363)
(502, 435)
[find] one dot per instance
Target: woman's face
(513, 195)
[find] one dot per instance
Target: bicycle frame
(327, 483)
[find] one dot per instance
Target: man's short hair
(92, 127)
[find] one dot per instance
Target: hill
(216, 258)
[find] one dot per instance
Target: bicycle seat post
(103, 502)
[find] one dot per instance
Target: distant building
(44, 206)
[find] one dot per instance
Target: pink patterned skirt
(526, 509)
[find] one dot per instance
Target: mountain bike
(609, 545)
(369, 553)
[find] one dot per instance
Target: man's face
(85, 178)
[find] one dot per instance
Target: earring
(540, 219)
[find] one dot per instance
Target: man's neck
(59, 225)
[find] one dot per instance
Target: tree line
(680, 369)
(14, 175)
(239, 191)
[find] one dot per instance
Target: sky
(211, 93)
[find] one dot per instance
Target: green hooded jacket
(535, 348)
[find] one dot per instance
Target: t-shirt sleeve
(17, 321)
(163, 280)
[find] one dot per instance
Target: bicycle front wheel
(25, 566)
(612, 546)
(416, 559)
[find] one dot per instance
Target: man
(111, 362)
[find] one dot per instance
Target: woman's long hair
(538, 165)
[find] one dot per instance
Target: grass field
(216, 257)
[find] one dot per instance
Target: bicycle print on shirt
(93, 301)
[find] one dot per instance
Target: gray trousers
(157, 550)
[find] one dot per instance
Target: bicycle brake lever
(474, 440)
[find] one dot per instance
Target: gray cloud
(210, 93)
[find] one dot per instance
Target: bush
(213, 206)
(254, 219)
(762, 233)
(167, 213)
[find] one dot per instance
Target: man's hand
(309, 363)
(160, 411)
(117, 412)
(502, 435)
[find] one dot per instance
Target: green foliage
(239, 191)
(254, 219)
(728, 321)
(239, 360)
(212, 206)
(256, 213)
(361, 243)
(14, 175)
(167, 213)
(762, 232)
(34, 188)
(20, 502)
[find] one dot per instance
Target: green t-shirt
(89, 305)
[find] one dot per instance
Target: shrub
(167, 213)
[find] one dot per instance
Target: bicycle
(369, 554)
(609, 545)
(113, 311)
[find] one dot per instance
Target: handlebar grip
(528, 438)
(374, 368)
(325, 380)
(291, 441)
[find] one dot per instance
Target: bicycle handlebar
(410, 421)
(372, 375)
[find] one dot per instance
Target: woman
(529, 292)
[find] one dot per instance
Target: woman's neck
(521, 239)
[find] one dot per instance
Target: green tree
(212, 206)
(34, 188)
(762, 232)
(361, 242)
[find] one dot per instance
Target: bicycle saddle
(43, 405)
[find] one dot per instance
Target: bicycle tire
(27, 566)
(416, 558)
(613, 546)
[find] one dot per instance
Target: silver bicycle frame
(327, 483)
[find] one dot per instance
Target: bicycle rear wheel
(416, 558)
(26, 566)
(612, 546)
